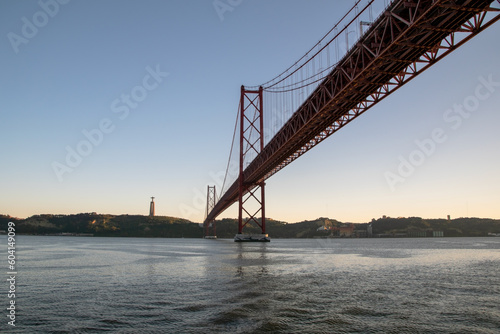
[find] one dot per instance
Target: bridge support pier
(251, 198)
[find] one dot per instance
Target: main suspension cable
(265, 85)
(285, 74)
(230, 154)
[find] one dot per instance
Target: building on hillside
(361, 233)
(417, 234)
(429, 233)
(369, 230)
(346, 230)
(438, 234)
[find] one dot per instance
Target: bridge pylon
(251, 195)
(210, 225)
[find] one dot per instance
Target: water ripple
(88, 285)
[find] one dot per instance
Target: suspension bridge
(360, 61)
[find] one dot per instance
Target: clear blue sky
(74, 73)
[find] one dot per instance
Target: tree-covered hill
(460, 227)
(106, 225)
(171, 227)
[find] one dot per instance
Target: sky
(107, 103)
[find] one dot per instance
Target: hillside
(105, 225)
(171, 227)
(226, 228)
(460, 227)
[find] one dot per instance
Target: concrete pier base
(252, 238)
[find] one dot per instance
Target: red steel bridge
(336, 81)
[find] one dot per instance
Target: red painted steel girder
(407, 39)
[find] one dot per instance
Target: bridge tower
(211, 198)
(251, 195)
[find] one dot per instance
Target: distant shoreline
(105, 225)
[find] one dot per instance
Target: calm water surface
(129, 285)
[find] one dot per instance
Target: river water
(132, 285)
